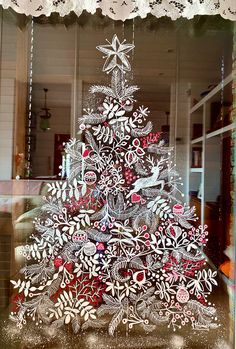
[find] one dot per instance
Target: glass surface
(183, 69)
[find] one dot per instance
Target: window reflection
(184, 72)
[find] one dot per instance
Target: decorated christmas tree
(114, 245)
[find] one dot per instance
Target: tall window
(185, 70)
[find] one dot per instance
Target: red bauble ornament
(100, 246)
(178, 209)
(90, 177)
(58, 262)
(182, 295)
(69, 266)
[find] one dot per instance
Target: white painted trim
(211, 94)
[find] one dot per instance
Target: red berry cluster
(129, 176)
(58, 261)
(103, 225)
(150, 138)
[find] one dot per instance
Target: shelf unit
(196, 169)
(205, 178)
(212, 93)
(214, 133)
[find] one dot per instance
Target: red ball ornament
(178, 209)
(69, 266)
(100, 246)
(90, 177)
(58, 262)
(182, 295)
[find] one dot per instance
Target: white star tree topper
(116, 55)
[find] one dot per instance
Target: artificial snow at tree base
(114, 244)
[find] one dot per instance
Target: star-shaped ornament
(116, 55)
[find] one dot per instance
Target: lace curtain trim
(126, 9)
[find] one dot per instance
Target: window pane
(126, 253)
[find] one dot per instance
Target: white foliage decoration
(114, 245)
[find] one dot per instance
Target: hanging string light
(133, 43)
(222, 68)
(29, 121)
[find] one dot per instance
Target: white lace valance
(126, 9)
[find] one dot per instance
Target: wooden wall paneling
(21, 102)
